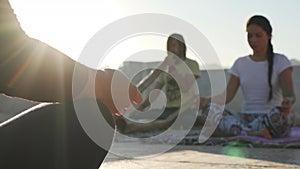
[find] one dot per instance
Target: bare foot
(266, 134)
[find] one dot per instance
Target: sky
(68, 25)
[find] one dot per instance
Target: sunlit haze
(69, 24)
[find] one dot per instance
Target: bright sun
(65, 24)
(68, 25)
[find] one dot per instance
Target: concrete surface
(195, 157)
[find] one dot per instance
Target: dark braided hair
(264, 23)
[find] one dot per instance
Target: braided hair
(264, 23)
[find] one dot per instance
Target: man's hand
(115, 90)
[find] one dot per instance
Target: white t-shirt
(253, 77)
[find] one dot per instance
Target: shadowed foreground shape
(50, 137)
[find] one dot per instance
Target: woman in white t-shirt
(265, 79)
